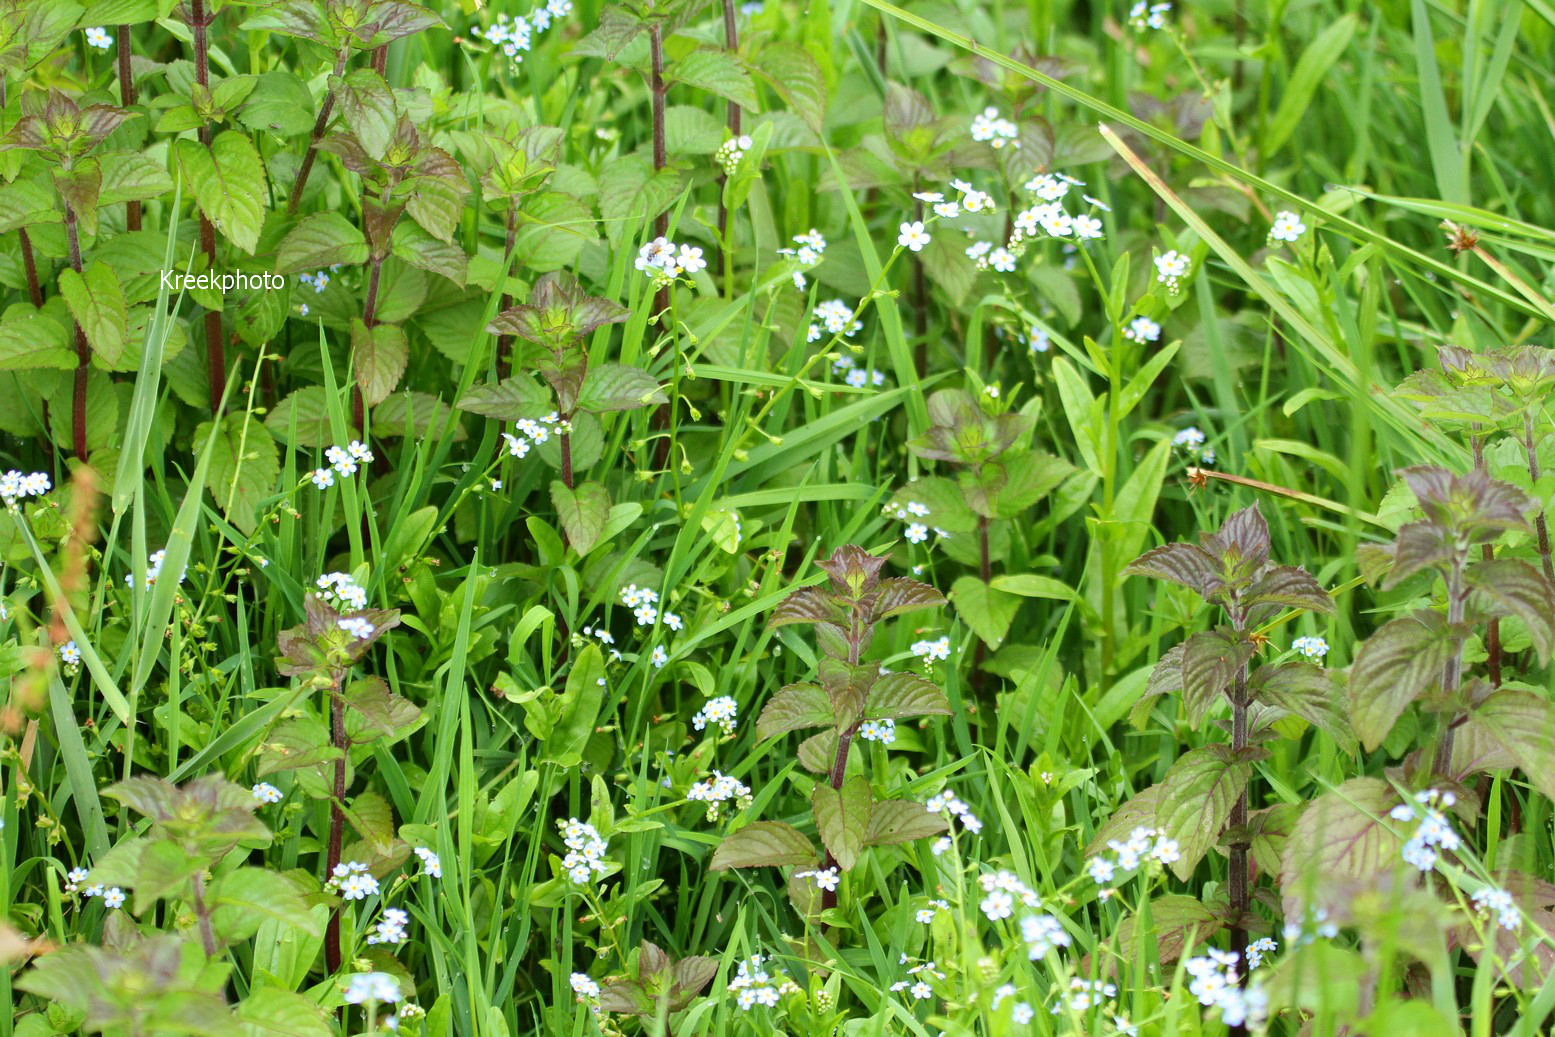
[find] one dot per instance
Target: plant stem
(203, 915)
(313, 140)
(34, 288)
(1487, 552)
(337, 817)
(215, 349)
(1540, 524)
(732, 45)
(984, 570)
(1237, 882)
(661, 223)
(126, 99)
(920, 300)
(566, 451)
(1452, 673)
(83, 352)
(507, 344)
(369, 318)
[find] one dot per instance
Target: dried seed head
(1460, 239)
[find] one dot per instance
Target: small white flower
(1314, 648)
(1287, 227)
(912, 236)
(266, 792)
(377, 987)
(917, 533)
(1142, 329)
(323, 478)
(356, 627)
(113, 898)
(98, 37)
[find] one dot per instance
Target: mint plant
(849, 692)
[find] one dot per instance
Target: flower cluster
(948, 806)
(113, 896)
(1001, 891)
(352, 881)
(98, 37)
(836, 317)
(1041, 934)
(1214, 984)
(1142, 329)
(1191, 442)
(808, 250)
(585, 990)
(825, 878)
(340, 589)
(1434, 835)
(154, 570)
(721, 711)
(717, 790)
(1084, 994)
(357, 627)
(431, 863)
(378, 987)
(925, 915)
(16, 485)
(266, 793)
(585, 851)
(532, 432)
(882, 731)
(1145, 15)
(1491, 899)
(1313, 648)
(932, 651)
(856, 376)
(515, 36)
(1170, 268)
(989, 126)
(753, 984)
(730, 152)
(344, 460)
(70, 655)
(918, 986)
(1142, 846)
(663, 260)
(319, 280)
(390, 928)
(1287, 227)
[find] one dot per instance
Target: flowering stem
(732, 45)
(337, 817)
(127, 98)
(921, 311)
(83, 351)
(661, 223)
(566, 450)
(317, 135)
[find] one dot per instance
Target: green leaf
(272, 1012)
(308, 410)
(1196, 799)
(1306, 691)
(612, 387)
(1178, 924)
(901, 821)
(243, 899)
(899, 695)
(436, 194)
(421, 250)
(228, 183)
(1029, 477)
(986, 610)
(717, 72)
(1308, 75)
(582, 511)
(280, 104)
(1185, 564)
(946, 506)
(763, 844)
(584, 694)
(842, 818)
(1210, 661)
(511, 399)
(790, 70)
(898, 595)
(367, 106)
(79, 187)
(794, 708)
(244, 466)
(373, 711)
(96, 301)
(1394, 667)
(25, 203)
(321, 240)
(31, 339)
(1030, 585)
(1515, 588)
(130, 176)
(1342, 843)
(378, 358)
(1524, 724)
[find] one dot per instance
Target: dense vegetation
(829, 518)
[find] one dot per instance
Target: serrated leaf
(898, 595)
(717, 72)
(1138, 812)
(374, 711)
(378, 358)
(790, 70)
(228, 183)
(1196, 799)
(583, 512)
(436, 194)
(31, 339)
(1515, 588)
(1341, 844)
(279, 104)
(1306, 691)
(901, 821)
(899, 695)
(794, 708)
(243, 899)
(805, 605)
(1209, 664)
(942, 498)
(272, 1012)
(1178, 924)
(130, 176)
(1285, 586)
(842, 817)
(763, 844)
(1029, 477)
(244, 466)
(302, 418)
(1524, 725)
(1393, 667)
(411, 243)
(367, 105)
(1185, 564)
(96, 301)
(987, 611)
(320, 240)
(511, 399)
(613, 387)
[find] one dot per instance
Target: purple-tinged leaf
(1196, 799)
(763, 844)
(901, 821)
(794, 708)
(1394, 667)
(842, 817)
